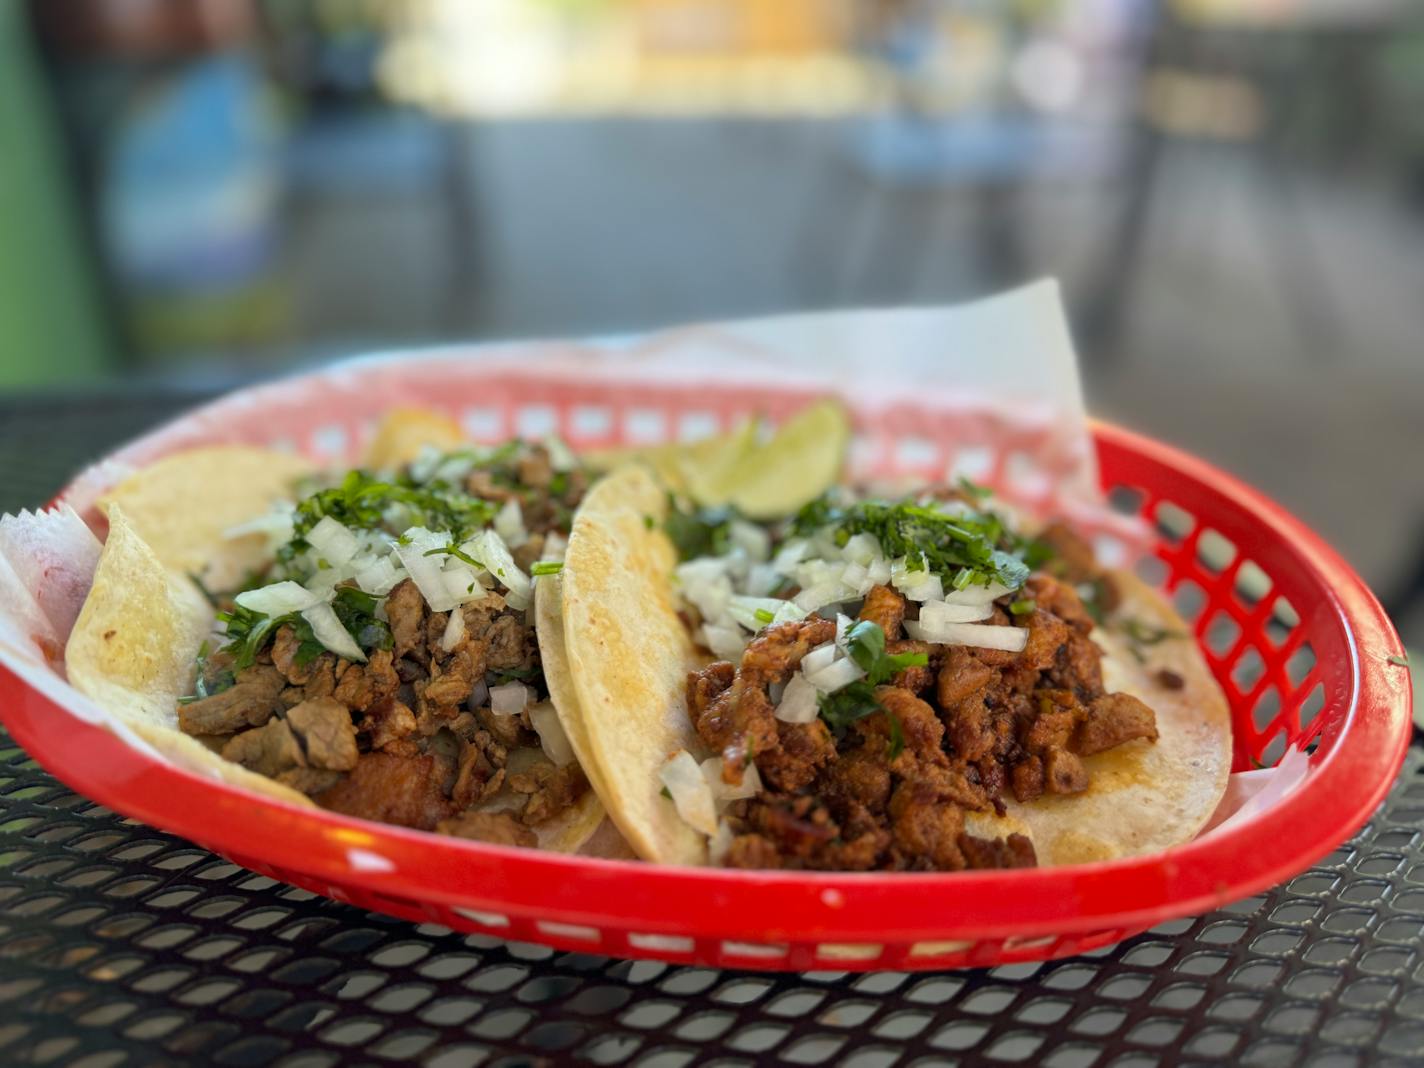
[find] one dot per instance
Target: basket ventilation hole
(1248, 670)
(915, 453)
(1214, 550)
(645, 426)
(1151, 570)
(1189, 600)
(1125, 500)
(1312, 706)
(1266, 709)
(1275, 749)
(973, 462)
(484, 919)
(1222, 634)
(1173, 521)
(536, 421)
(660, 943)
(699, 424)
(590, 421)
(1300, 663)
(482, 424)
(1252, 584)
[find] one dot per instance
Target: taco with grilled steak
(913, 682)
(359, 641)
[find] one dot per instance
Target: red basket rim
(1353, 776)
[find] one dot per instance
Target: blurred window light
(1196, 105)
(1048, 74)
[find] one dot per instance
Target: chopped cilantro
(972, 548)
(500, 676)
(973, 489)
(763, 616)
(865, 644)
(456, 552)
(666, 793)
(897, 736)
(649, 522)
(703, 532)
(1022, 608)
(546, 567)
(249, 632)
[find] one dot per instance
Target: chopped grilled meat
(507, 730)
(1063, 773)
(1112, 720)
(268, 750)
(392, 789)
(327, 734)
(388, 722)
(480, 771)
(309, 781)
(970, 728)
(551, 789)
(451, 686)
(1015, 851)
(253, 699)
(285, 647)
(364, 685)
(405, 608)
(886, 608)
(497, 828)
(509, 645)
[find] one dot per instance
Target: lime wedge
(801, 461)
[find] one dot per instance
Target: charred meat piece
(405, 608)
(1113, 719)
(1015, 851)
(392, 789)
(253, 699)
(363, 685)
(388, 722)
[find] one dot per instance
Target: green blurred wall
(51, 331)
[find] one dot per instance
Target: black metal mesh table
(120, 945)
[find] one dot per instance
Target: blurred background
(193, 195)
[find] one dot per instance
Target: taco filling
(385, 663)
(888, 669)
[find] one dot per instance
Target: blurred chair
(981, 154)
(1258, 66)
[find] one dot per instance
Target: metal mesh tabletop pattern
(120, 945)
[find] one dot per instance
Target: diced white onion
(489, 549)
(854, 576)
(744, 610)
(835, 676)
(934, 613)
(327, 629)
(903, 577)
(932, 589)
(720, 843)
(509, 523)
(509, 699)
(323, 584)
(691, 795)
(791, 553)
(762, 579)
(723, 792)
(977, 594)
(552, 739)
(799, 701)
(987, 636)
(750, 538)
(463, 582)
(862, 548)
(817, 597)
(843, 624)
(819, 657)
(279, 599)
(726, 642)
(335, 544)
(877, 572)
(454, 630)
(427, 572)
(380, 575)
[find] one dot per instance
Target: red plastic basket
(1299, 644)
